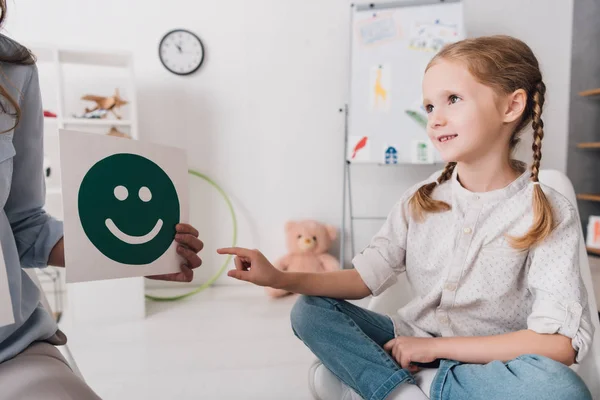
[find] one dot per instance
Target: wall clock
(181, 52)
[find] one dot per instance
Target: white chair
(400, 294)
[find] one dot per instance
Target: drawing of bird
(360, 145)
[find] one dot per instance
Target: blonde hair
(505, 64)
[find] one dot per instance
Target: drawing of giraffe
(380, 92)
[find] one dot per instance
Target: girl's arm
(375, 268)
(410, 351)
(484, 349)
(252, 266)
(343, 284)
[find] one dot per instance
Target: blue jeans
(349, 341)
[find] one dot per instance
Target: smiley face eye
(121, 193)
(145, 194)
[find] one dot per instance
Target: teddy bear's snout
(306, 243)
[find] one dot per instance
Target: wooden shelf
(94, 58)
(589, 197)
(96, 122)
(595, 252)
(591, 92)
(589, 145)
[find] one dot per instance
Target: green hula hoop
(227, 260)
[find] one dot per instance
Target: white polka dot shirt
(467, 280)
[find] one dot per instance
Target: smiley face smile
(114, 229)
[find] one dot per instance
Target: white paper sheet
(121, 201)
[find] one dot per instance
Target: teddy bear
(307, 243)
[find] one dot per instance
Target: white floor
(229, 342)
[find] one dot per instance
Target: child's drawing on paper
(390, 155)
(358, 149)
(380, 88)
(422, 152)
(377, 29)
(432, 36)
(418, 113)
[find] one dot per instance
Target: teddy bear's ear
(331, 231)
(289, 226)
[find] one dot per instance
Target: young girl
(491, 254)
(30, 366)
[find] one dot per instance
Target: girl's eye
(428, 108)
(453, 99)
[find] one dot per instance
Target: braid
(446, 173)
(422, 202)
(543, 220)
(538, 129)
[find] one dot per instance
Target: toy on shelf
(47, 167)
(49, 114)
(307, 242)
(117, 133)
(103, 106)
(593, 233)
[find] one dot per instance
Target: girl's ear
(515, 106)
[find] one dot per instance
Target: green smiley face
(128, 207)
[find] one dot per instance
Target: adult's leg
(41, 372)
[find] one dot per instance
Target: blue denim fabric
(349, 341)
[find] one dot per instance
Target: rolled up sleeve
(35, 232)
(384, 258)
(554, 278)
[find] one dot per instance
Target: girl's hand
(188, 247)
(252, 266)
(407, 350)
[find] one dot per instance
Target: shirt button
(451, 286)
(467, 230)
(443, 319)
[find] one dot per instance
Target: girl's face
(465, 121)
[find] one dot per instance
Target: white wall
(261, 116)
